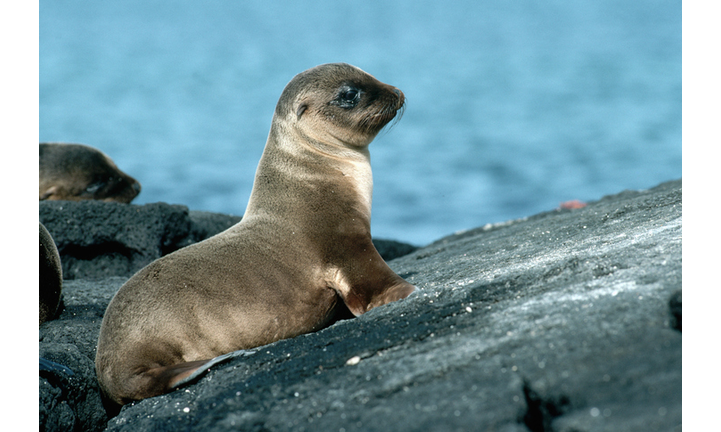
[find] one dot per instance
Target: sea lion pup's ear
(301, 109)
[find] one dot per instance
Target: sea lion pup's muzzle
(391, 108)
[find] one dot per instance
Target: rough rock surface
(70, 401)
(565, 321)
(98, 239)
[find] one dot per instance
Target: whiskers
(399, 114)
(378, 120)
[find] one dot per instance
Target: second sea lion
(76, 172)
(51, 276)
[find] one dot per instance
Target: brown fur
(301, 258)
(77, 172)
(51, 276)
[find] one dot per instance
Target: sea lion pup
(77, 172)
(300, 258)
(51, 276)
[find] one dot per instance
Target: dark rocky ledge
(569, 320)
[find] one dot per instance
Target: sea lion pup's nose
(401, 96)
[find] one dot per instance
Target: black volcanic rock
(69, 392)
(568, 320)
(98, 239)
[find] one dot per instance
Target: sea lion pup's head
(339, 104)
(77, 172)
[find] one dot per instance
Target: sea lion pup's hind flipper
(143, 384)
(160, 380)
(200, 371)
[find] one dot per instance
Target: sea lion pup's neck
(314, 181)
(316, 158)
(299, 171)
(317, 155)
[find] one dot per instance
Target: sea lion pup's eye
(347, 97)
(350, 95)
(93, 188)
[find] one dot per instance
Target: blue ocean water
(513, 106)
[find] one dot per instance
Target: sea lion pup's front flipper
(398, 291)
(359, 303)
(368, 283)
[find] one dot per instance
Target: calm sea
(513, 106)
